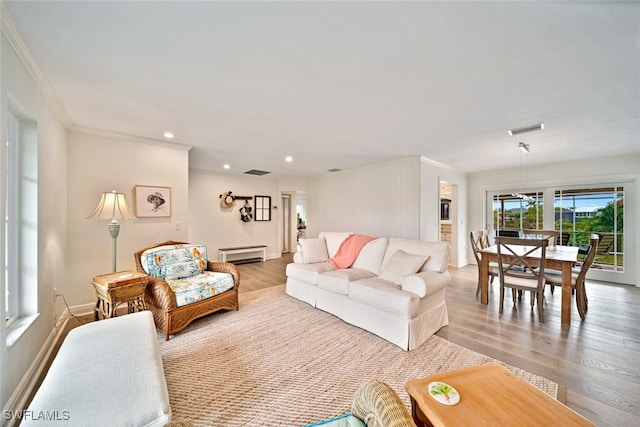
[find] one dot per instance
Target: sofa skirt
(407, 333)
(301, 290)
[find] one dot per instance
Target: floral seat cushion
(183, 266)
(174, 261)
(201, 286)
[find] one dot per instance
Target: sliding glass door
(582, 212)
(577, 212)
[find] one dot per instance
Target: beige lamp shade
(112, 206)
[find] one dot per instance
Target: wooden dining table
(561, 258)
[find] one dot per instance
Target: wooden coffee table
(489, 395)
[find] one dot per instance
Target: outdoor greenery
(607, 222)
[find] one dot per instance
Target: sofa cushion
(338, 281)
(349, 250)
(370, 257)
(346, 420)
(308, 273)
(334, 240)
(385, 295)
(313, 250)
(200, 286)
(174, 261)
(402, 264)
(438, 252)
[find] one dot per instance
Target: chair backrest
(476, 243)
(516, 259)
(508, 233)
(588, 261)
(605, 244)
(486, 238)
(479, 240)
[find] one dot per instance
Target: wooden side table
(490, 395)
(117, 288)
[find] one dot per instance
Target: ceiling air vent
(257, 172)
(335, 170)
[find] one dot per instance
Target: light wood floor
(597, 361)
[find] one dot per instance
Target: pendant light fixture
(524, 152)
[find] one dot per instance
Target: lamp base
(114, 230)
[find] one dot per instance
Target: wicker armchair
(160, 299)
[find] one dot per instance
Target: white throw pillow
(334, 240)
(313, 250)
(371, 255)
(402, 264)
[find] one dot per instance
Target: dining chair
(479, 240)
(554, 278)
(521, 267)
(605, 245)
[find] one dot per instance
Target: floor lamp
(112, 206)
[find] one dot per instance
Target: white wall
(218, 227)
(379, 200)
(100, 162)
(16, 81)
(547, 177)
(394, 199)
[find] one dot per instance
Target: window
(20, 203)
(11, 223)
(513, 212)
(263, 208)
(581, 212)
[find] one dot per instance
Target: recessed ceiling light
(226, 166)
(168, 135)
(288, 159)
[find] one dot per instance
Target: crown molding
(116, 135)
(11, 32)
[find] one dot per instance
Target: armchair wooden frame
(160, 299)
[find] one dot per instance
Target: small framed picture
(152, 202)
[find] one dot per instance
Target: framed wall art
(152, 202)
(262, 208)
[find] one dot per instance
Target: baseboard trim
(23, 393)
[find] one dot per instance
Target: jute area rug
(279, 362)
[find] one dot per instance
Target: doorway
(286, 223)
(448, 219)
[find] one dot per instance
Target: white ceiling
(347, 84)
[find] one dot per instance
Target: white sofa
(395, 288)
(107, 372)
